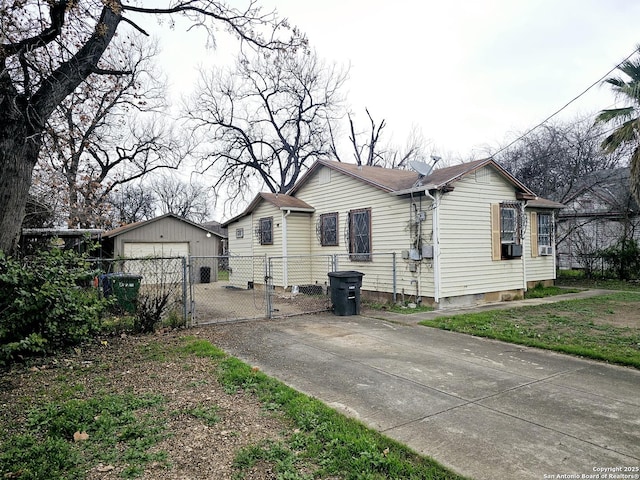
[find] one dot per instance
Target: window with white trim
(509, 223)
(544, 229)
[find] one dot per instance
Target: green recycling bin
(125, 288)
(345, 292)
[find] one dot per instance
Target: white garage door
(168, 270)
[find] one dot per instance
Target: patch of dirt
(626, 315)
(195, 449)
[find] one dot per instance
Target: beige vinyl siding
(466, 253)
(246, 255)
(539, 267)
(241, 264)
(241, 246)
(390, 214)
(300, 267)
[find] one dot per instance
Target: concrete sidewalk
(485, 409)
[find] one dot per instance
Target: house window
(506, 228)
(239, 232)
(360, 234)
(544, 229)
(329, 229)
(509, 221)
(266, 231)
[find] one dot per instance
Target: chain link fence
(152, 289)
(204, 290)
(226, 289)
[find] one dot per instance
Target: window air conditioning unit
(511, 250)
(545, 250)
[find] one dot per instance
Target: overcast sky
(469, 74)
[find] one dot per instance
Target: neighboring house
(598, 215)
(461, 235)
(164, 236)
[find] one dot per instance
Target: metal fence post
(184, 287)
(267, 285)
(395, 292)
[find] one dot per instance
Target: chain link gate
(299, 284)
(234, 288)
(227, 288)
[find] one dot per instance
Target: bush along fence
(59, 298)
(47, 302)
(148, 289)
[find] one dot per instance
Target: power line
(568, 103)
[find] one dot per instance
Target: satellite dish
(421, 167)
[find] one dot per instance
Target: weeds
(59, 439)
(323, 440)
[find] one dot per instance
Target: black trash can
(345, 292)
(205, 274)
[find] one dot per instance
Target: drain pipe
(523, 243)
(436, 246)
(285, 270)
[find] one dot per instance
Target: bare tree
(107, 134)
(190, 200)
(555, 159)
(50, 47)
(131, 203)
(368, 150)
(266, 120)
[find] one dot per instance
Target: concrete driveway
(486, 409)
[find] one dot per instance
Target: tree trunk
(19, 147)
(23, 119)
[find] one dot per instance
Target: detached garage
(166, 236)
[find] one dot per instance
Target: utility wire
(568, 103)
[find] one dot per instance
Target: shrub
(623, 259)
(45, 303)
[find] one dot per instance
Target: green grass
(120, 428)
(540, 291)
(577, 327)
(577, 280)
(325, 443)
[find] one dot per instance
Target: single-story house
(599, 214)
(162, 237)
(461, 235)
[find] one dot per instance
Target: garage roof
(132, 226)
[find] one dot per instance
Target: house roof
(540, 202)
(611, 186)
(386, 179)
(445, 177)
(279, 200)
(394, 181)
(401, 182)
(132, 226)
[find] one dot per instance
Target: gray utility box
(345, 292)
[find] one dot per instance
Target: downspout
(285, 279)
(436, 246)
(553, 244)
(524, 256)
